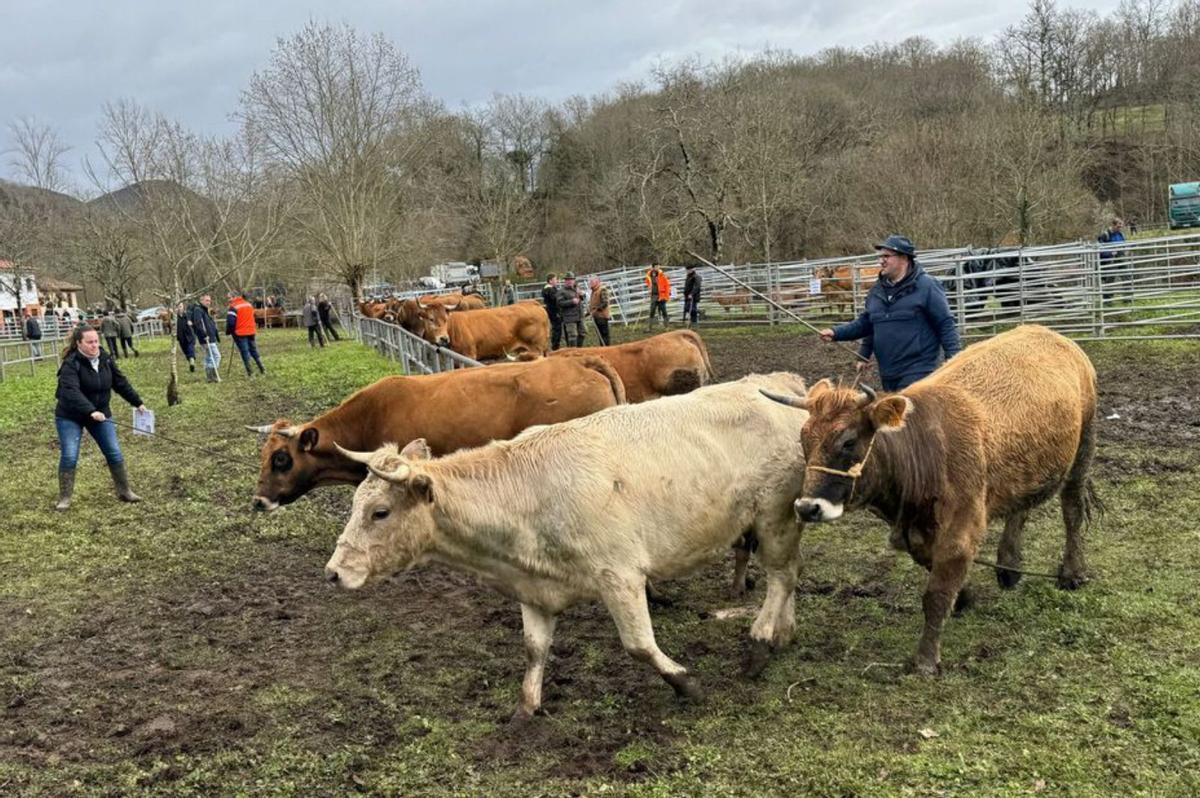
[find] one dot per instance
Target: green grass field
(186, 646)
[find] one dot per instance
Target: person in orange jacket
(660, 292)
(240, 325)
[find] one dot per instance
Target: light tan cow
(593, 508)
(996, 431)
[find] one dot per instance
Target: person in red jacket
(239, 324)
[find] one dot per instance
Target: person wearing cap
(1113, 269)
(570, 310)
(906, 321)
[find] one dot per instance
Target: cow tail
(604, 368)
(698, 342)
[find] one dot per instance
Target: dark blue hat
(899, 244)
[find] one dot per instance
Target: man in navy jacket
(906, 322)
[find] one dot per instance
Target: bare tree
(335, 111)
(205, 209)
(36, 155)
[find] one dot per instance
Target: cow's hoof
(1070, 581)
(1007, 579)
(521, 718)
(926, 669)
(756, 659)
(686, 687)
(963, 601)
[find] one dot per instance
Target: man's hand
(860, 365)
(142, 407)
(826, 335)
(97, 416)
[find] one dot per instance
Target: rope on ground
(177, 442)
(997, 566)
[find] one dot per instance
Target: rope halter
(853, 472)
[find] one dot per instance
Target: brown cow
(373, 310)
(489, 333)
(452, 411)
(456, 301)
(837, 284)
(726, 301)
(269, 317)
(993, 433)
(665, 364)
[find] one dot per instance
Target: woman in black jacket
(86, 380)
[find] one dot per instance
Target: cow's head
(837, 438)
(296, 459)
(391, 522)
(434, 322)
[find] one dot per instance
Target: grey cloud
(62, 60)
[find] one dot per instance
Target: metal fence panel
(1149, 288)
(414, 354)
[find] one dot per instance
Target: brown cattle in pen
(662, 365)
(491, 333)
(996, 431)
(452, 410)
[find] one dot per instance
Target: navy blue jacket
(83, 390)
(203, 326)
(905, 324)
(1109, 237)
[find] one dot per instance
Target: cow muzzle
(264, 505)
(443, 340)
(816, 510)
(345, 578)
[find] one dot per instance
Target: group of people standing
(317, 318)
(118, 325)
(567, 306)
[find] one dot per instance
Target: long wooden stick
(775, 304)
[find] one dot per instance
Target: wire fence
(1149, 288)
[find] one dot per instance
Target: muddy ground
(166, 670)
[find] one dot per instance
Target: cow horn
(791, 401)
(397, 476)
(267, 429)
(868, 395)
(358, 457)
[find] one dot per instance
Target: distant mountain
(130, 197)
(17, 194)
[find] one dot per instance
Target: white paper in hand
(143, 422)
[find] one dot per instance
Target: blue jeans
(70, 436)
(212, 355)
(247, 349)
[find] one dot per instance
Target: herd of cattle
(592, 473)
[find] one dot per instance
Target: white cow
(595, 507)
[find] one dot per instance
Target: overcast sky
(61, 59)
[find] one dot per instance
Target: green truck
(1183, 205)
